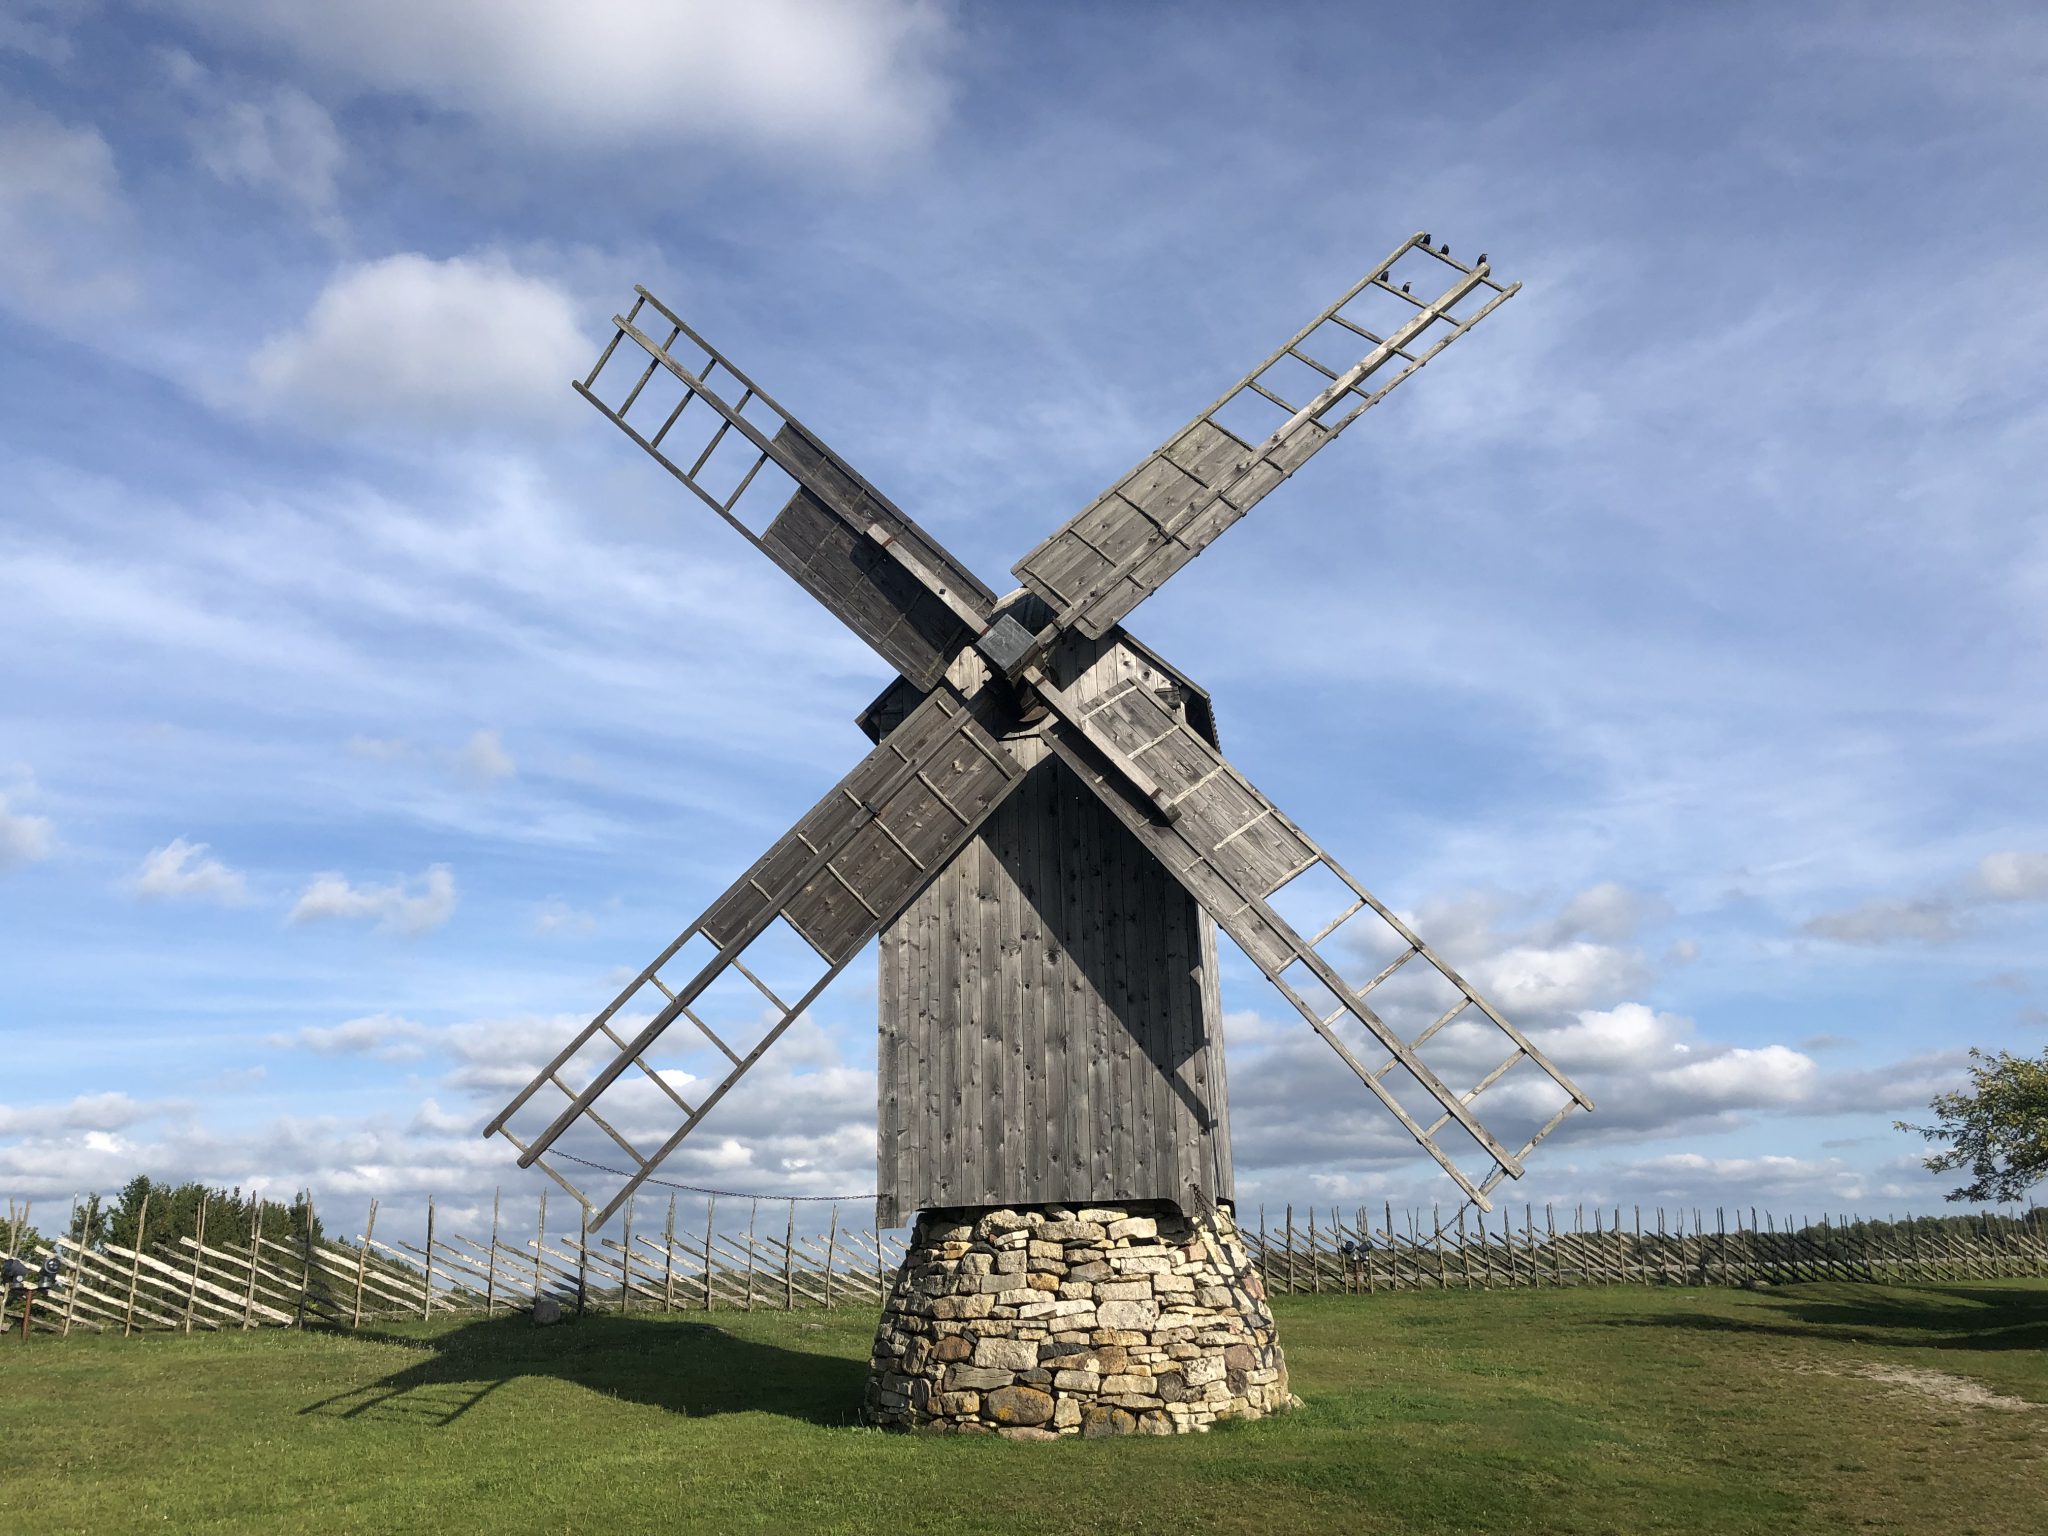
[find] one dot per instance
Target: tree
(1997, 1127)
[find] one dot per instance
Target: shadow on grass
(694, 1369)
(1915, 1317)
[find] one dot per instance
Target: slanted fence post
(255, 1253)
(668, 1258)
(135, 1265)
(363, 1264)
(831, 1252)
(710, 1223)
(753, 1211)
(582, 1259)
(540, 1240)
(491, 1267)
(1290, 1250)
(198, 1250)
(789, 1262)
(305, 1266)
(626, 1260)
(427, 1279)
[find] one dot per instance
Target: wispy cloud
(181, 871)
(483, 760)
(1938, 918)
(792, 79)
(423, 345)
(410, 907)
(23, 838)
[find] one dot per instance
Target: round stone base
(1049, 1320)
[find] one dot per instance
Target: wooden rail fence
(1326, 1252)
(243, 1279)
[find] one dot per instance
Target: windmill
(1045, 836)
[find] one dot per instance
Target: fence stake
(710, 1216)
(583, 1260)
(668, 1258)
(305, 1267)
(198, 1246)
(831, 1252)
(427, 1280)
(540, 1237)
(753, 1211)
(789, 1262)
(363, 1264)
(626, 1260)
(255, 1253)
(135, 1265)
(491, 1266)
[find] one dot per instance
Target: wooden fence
(1326, 1252)
(687, 1261)
(245, 1279)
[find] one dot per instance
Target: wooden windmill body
(1050, 1025)
(1046, 835)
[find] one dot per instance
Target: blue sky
(1672, 652)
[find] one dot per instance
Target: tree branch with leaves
(1997, 1127)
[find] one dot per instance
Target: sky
(1673, 652)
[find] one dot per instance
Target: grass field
(1812, 1408)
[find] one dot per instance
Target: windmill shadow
(691, 1369)
(1915, 1317)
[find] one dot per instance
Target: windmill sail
(745, 451)
(1236, 852)
(837, 878)
(1119, 550)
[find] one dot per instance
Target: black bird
(1444, 249)
(1404, 287)
(1482, 258)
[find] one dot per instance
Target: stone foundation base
(1049, 1321)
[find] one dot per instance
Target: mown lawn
(1613, 1410)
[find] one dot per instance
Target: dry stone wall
(1047, 1321)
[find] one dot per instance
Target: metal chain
(723, 1194)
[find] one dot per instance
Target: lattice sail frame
(1234, 850)
(846, 871)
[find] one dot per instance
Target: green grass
(1614, 1410)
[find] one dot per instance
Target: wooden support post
(1315, 1260)
(753, 1211)
(1290, 1249)
(363, 1264)
(789, 1261)
(491, 1272)
(582, 1259)
(710, 1216)
(255, 1254)
(668, 1258)
(626, 1259)
(540, 1237)
(135, 1265)
(305, 1266)
(198, 1248)
(427, 1279)
(1265, 1259)
(831, 1251)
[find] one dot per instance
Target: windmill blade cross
(1234, 850)
(821, 534)
(1124, 546)
(838, 877)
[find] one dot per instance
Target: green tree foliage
(1997, 1127)
(175, 1211)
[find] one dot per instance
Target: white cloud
(279, 141)
(409, 341)
(23, 838)
(483, 759)
(396, 906)
(99, 1112)
(60, 198)
(2007, 876)
(1530, 979)
(843, 80)
(1886, 922)
(180, 871)
(2013, 876)
(385, 1036)
(560, 917)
